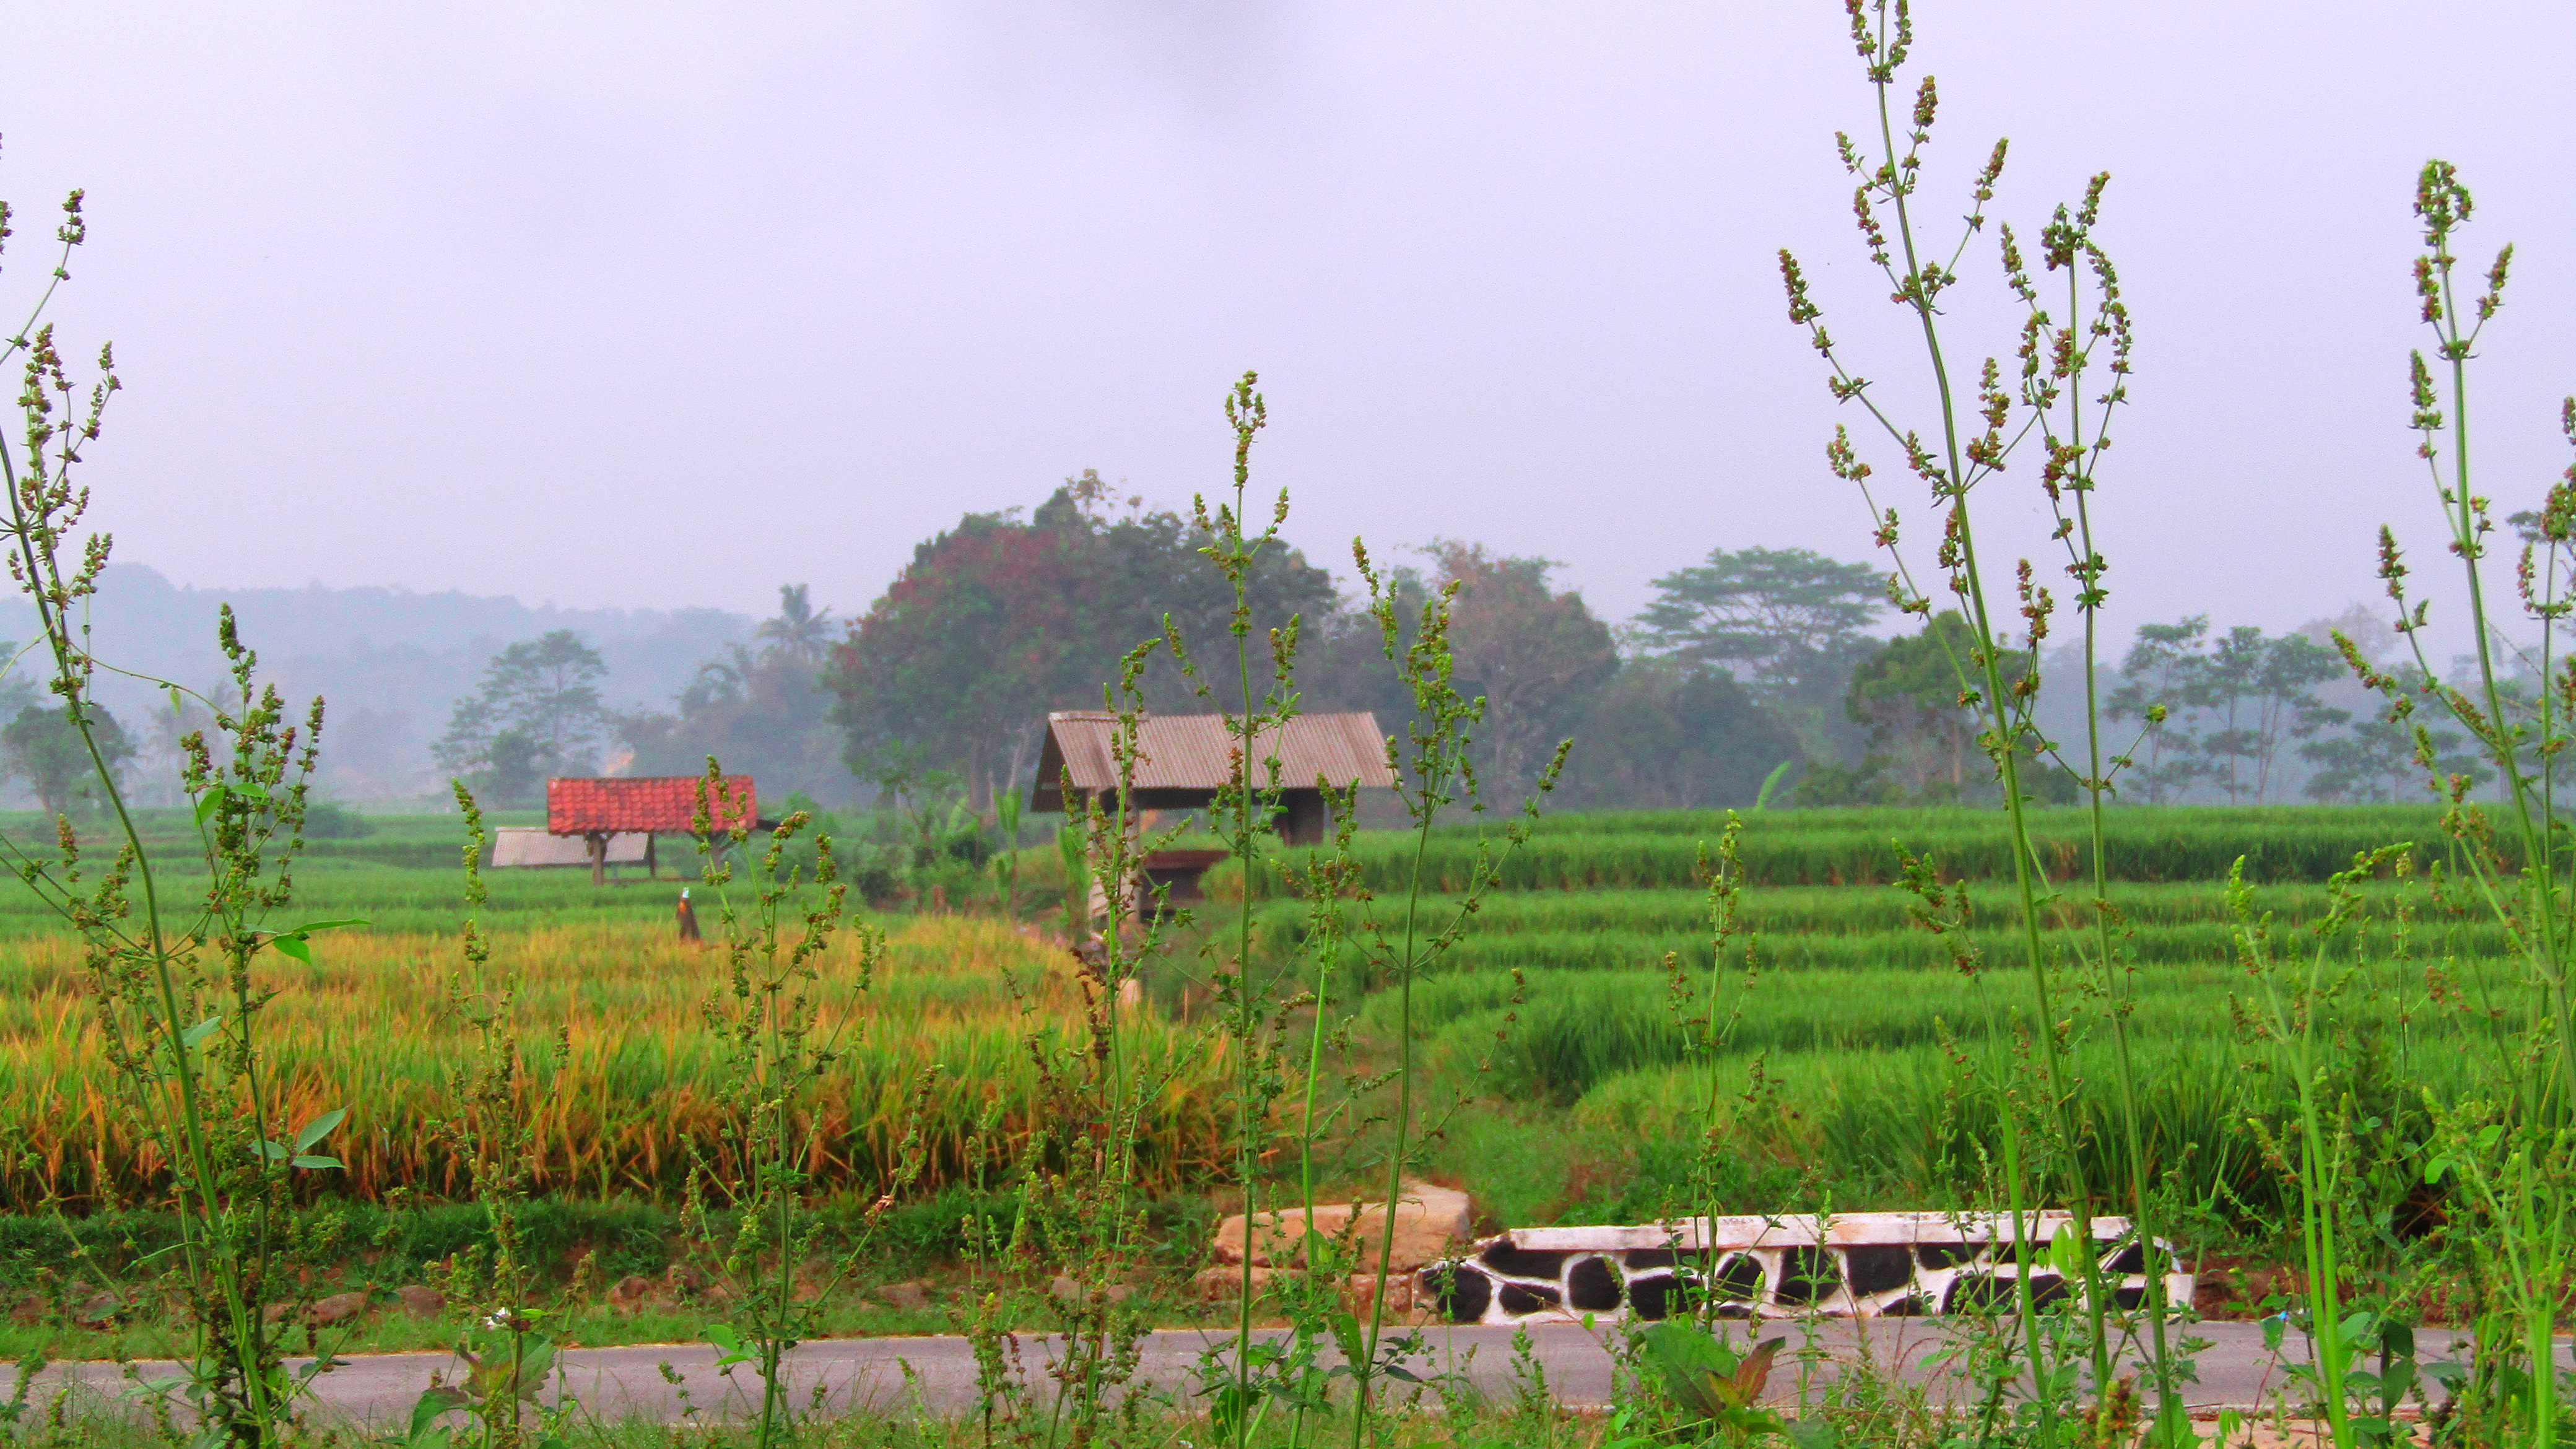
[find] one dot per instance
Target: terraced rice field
(1554, 1017)
(1858, 1023)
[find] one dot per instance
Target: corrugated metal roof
(666, 804)
(1185, 758)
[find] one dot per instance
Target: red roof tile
(665, 803)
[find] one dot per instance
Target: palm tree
(800, 630)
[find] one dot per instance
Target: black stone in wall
(1875, 1268)
(1738, 1277)
(1461, 1292)
(1978, 1293)
(1807, 1274)
(1592, 1286)
(1654, 1297)
(1513, 1262)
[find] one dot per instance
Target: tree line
(1756, 672)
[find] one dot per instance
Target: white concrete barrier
(1856, 1265)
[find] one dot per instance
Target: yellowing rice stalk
(368, 1026)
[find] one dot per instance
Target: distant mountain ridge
(389, 663)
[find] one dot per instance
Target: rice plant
(633, 1096)
(1846, 848)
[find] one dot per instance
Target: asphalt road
(936, 1375)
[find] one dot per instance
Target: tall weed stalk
(180, 988)
(1404, 939)
(781, 1038)
(490, 1132)
(1244, 1382)
(1256, 1004)
(1242, 812)
(1076, 1235)
(2060, 402)
(2508, 1157)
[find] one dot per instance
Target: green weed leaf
(200, 1031)
(497, 1379)
(1231, 1403)
(2066, 1253)
(309, 927)
(297, 942)
(1704, 1376)
(309, 1161)
(319, 1128)
(1814, 1434)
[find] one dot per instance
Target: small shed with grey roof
(1184, 759)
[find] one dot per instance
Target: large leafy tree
(2375, 758)
(2259, 691)
(1790, 623)
(1663, 737)
(1923, 739)
(537, 715)
(1536, 655)
(2218, 707)
(1341, 655)
(1000, 619)
(44, 749)
(762, 713)
(2163, 677)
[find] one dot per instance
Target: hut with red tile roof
(648, 805)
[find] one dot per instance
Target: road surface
(936, 1375)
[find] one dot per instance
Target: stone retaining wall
(1856, 1265)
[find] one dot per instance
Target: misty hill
(389, 663)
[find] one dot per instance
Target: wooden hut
(1183, 760)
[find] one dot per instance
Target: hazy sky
(650, 304)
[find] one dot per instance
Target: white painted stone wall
(1853, 1265)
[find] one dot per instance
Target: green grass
(579, 1249)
